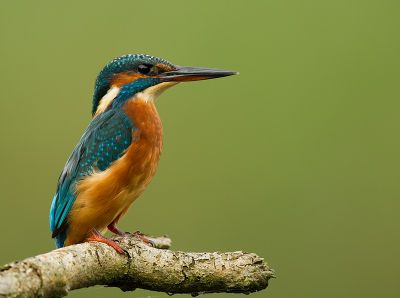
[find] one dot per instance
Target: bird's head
(143, 77)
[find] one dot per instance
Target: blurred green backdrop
(295, 159)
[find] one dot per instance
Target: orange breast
(105, 197)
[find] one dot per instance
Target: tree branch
(84, 265)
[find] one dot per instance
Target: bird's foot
(100, 238)
(113, 228)
(144, 239)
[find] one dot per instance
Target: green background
(295, 159)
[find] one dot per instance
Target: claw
(127, 253)
(152, 243)
(147, 241)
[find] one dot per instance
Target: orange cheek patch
(124, 78)
(164, 67)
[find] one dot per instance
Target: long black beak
(186, 74)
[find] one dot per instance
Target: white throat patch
(151, 94)
(107, 99)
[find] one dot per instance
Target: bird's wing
(104, 141)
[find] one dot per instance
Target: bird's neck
(147, 122)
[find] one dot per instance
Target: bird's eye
(144, 69)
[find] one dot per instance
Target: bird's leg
(113, 228)
(100, 238)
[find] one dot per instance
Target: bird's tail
(60, 239)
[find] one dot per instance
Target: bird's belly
(105, 197)
(135, 186)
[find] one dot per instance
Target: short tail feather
(60, 239)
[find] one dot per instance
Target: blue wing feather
(105, 139)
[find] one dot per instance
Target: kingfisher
(117, 156)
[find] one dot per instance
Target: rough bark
(56, 273)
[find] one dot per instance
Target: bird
(117, 156)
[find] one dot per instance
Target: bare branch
(84, 265)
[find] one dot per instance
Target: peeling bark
(56, 273)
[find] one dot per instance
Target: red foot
(99, 238)
(144, 239)
(117, 231)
